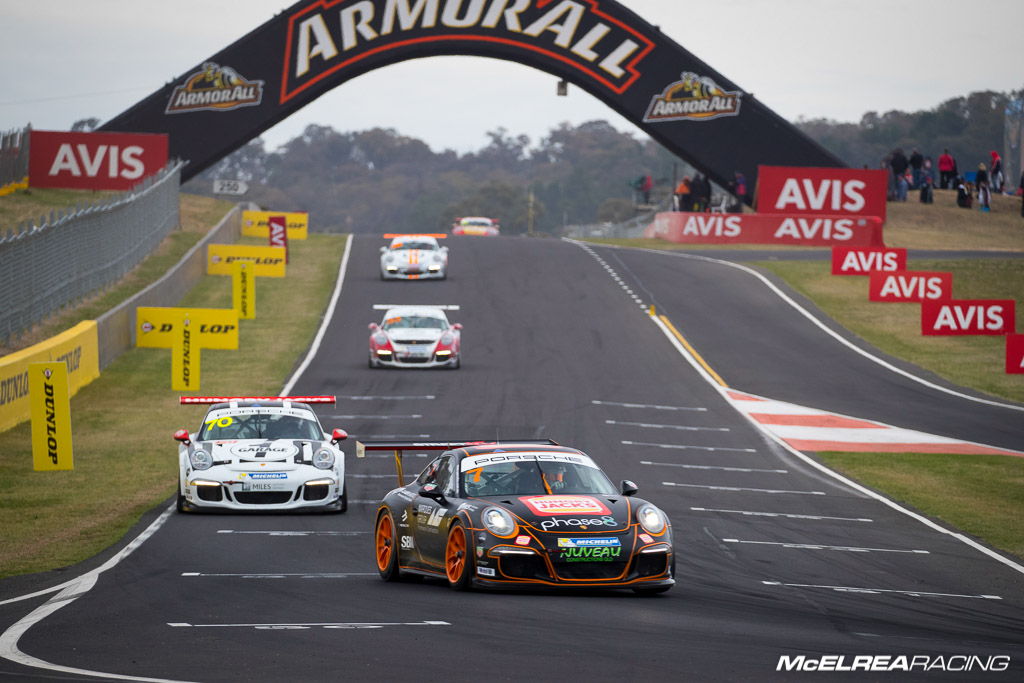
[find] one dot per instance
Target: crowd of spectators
(917, 173)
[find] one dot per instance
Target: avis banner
(832, 191)
(94, 161)
(807, 231)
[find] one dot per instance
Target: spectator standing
(645, 187)
(916, 163)
(984, 193)
(1020, 191)
(927, 196)
(996, 175)
(738, 189)
(947, 170)
(898, 164)
(928, 171)
(684, 199)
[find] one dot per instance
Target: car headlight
(651, 519)
(200, 459)
(324, 459)
(499, 522)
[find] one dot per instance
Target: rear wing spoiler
(443, 307)
(399, 447)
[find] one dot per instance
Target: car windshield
(259, 426)
(535, 477)
(417, 322)
(413, 245)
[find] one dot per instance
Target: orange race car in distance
(519, 514)
(476, 225)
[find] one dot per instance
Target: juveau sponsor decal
(329, 35)
(693, 97)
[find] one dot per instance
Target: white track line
(816, 546)
(785, 514)
(741, 488)
(872, 591)
(713, 467)
(810, 461)
(71, 590)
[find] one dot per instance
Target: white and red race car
(260, 453)
(476, 225)
(415, 337)
(413, 257)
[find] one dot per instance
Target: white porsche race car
(413, 257)
(260, 453)
(415, 337)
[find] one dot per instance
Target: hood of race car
(572, 513)
(414, 335)
(253, 455)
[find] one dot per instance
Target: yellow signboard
(51, 416)
(185, 356)
(77, 347)
(256, 223)
(216, 328)
(243, 289)
(268, 261)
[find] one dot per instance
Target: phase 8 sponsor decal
(576, 523)
(968, 317)
(565, 505)
(865, 260)
(909, 286)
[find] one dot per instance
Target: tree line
(380, 180)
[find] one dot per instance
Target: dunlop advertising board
(51, 416)
(78, 348)
(266, 261)
(243, 290)
(600, 46)
(211, 328)
(257, 223)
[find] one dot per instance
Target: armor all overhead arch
(599, 46)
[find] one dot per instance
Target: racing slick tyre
(371, 361)
(384, 541)
(343, 501)
(458, 362)
(458, 560)
(180, 503)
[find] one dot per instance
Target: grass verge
(124, 454)
(982, 495)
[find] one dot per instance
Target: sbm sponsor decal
(215, 88)
(693, 97)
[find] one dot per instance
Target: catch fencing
(72, 255)
(13, 157)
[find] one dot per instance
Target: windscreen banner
(806, 231)
(94, 161)
(831, 191)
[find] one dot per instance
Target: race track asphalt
(775, 557)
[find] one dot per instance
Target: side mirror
(432, 491)
(383, 249)
(374, 327)
(457, 326)
(338, 435)
(627, 487)
(182, 436)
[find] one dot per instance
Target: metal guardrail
(13, 156)
(71, 255)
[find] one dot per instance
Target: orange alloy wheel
(455, 555)
(385, 542)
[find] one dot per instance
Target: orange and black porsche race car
(519, 514)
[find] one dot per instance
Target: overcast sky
(65, 60)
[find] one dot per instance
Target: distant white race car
(414, 257)
(415, 337)
(476, 225)
(260, 453)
